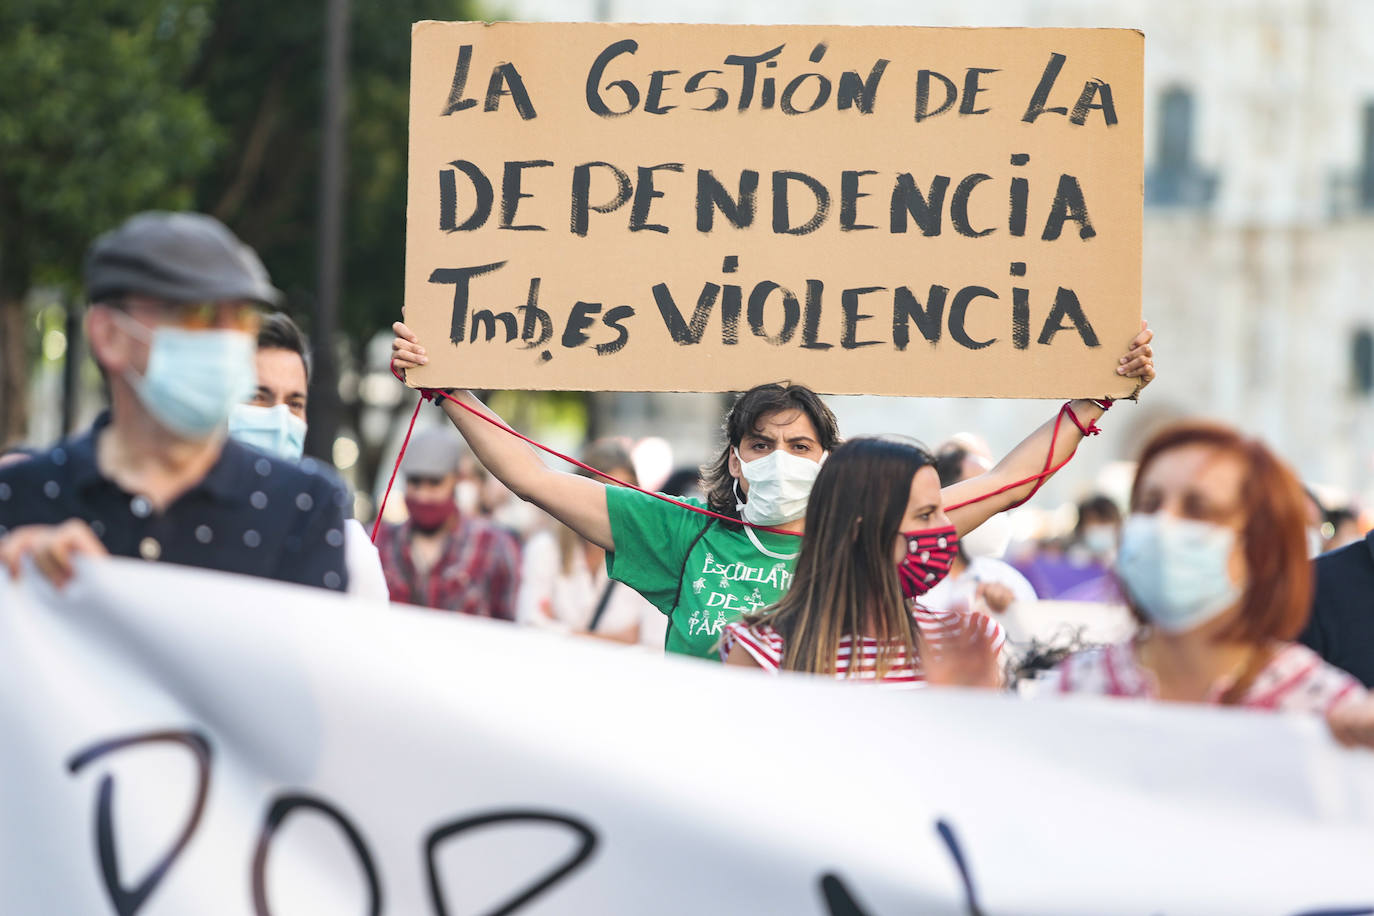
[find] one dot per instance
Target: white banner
(181, 742)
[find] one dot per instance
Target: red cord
(428, 394)
(1046, 472)
(377, 525)
(1090, 430)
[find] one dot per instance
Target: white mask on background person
(989, 539)
(1100, 540)
(1176, 570)
(275, 430)
(779, 487)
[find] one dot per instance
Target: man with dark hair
(284, 363)
(175, 301)
(274, 419)
(275, 422)
(703, 572)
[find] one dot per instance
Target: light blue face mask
(1175, 570)
(194, 378)
(275, 430)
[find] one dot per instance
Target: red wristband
(1090, 430)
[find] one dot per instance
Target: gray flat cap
(432, 452)
(179, 257)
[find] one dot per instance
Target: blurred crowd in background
(1010, 565)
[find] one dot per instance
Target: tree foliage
(95, 124)
(109, 107)
(261, 75)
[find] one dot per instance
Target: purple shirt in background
(1056, 577)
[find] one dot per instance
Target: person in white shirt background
(563, 580)
(978, 581)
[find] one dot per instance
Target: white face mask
(1100, 540)
(275, 430)
(1175, 570)
(779, 487)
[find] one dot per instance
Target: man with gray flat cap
(175, 303)
(442, 558)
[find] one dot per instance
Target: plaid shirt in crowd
(476, 573)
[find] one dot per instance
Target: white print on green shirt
(710, 619)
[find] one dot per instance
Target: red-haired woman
(1214, 563)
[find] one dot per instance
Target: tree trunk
(14, 371)
(324, 426)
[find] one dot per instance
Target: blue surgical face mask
(1100, 540)
(1176, 570)
(194, 378)
(275, 430)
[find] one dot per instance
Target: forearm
(510, 460)
(1040, 450)
(1029, 457)
(578, 502)
(575, 501)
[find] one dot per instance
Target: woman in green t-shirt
(706, 572)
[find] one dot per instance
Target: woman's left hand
(1139, 361)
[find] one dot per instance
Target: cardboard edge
(1123, 394)
(489, 23)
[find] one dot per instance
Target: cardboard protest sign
(951, 212)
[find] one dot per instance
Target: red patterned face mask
(929, 555)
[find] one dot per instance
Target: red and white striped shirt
(765, 645)
(1295, 680)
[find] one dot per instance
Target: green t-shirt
(694, 568)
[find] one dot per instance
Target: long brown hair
(845, 580)
(744, 418)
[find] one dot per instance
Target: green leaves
(94, 125)
(114, 106)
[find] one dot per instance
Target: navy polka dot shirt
(252, 513)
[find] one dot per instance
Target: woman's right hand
(967, 658)
(406, 352)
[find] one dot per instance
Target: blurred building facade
(1259, 225)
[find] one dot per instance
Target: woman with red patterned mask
(877, 540)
